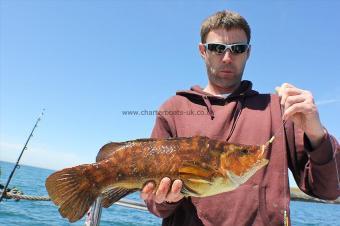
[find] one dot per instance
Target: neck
(218, 90)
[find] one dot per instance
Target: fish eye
(244, 152)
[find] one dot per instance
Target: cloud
(9, 146)
(40, 156)
(9, 151)
(325, 102)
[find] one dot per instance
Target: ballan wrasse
(205, 166)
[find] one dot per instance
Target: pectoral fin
(195, 179)
(199, 170)
(195, 171)
(187, 191)
(194, 185)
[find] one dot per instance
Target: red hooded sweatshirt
(246, 117)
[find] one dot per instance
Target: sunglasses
(220, 48)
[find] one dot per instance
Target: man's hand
(299, 106)
(165, 192)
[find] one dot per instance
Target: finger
(291, 100)
(147, 191)
(287, 92)
(163, 190)
(148, 187)
(175, 193)
(303, 108)
(287, 85)
(292, 110)
(145, 196)
(176, 187)
(279, 89)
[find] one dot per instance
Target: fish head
(239, 162)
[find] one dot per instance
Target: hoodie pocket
(271, 206)
(263, 205)
(238, 207)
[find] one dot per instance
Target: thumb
(278, 90)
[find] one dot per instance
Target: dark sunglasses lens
(217, 48)
(239, 48)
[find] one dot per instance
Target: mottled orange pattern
(205, 166)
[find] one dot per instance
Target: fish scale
(205, 166)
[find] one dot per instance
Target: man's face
(225, 70)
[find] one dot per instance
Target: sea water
(31, 181)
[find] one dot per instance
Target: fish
(206, 167)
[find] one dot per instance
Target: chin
(226, 82)
(231, 85)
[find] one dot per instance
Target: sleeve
(163, 210)
(315, 170)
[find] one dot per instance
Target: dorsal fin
(107, 150)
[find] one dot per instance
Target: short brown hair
(224, 19)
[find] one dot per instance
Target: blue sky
(87, 61)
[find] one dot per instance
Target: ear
(248, 52)
(201, 48)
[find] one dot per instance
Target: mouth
(227, 71)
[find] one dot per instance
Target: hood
(244, 90)
(197, 95)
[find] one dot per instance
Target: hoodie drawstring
(236, 115)
(209, 107)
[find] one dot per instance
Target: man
(238, 114)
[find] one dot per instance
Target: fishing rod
(22, 152)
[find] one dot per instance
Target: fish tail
(73, 191)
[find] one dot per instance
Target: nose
(227, 57)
